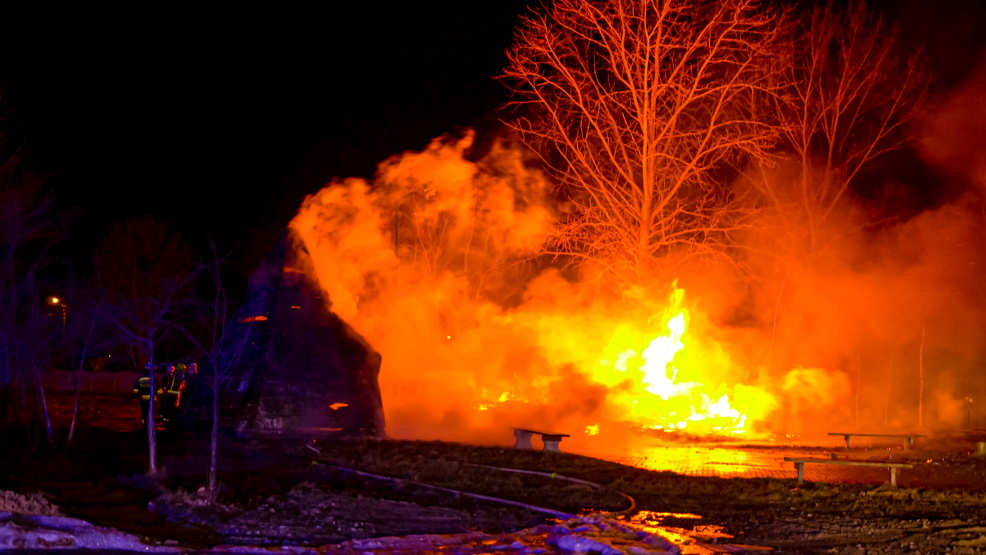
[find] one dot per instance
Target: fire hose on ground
(556, 476)
(533, 508)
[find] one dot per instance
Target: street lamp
(58, 302)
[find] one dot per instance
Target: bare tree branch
(638, 110)
(847, 96)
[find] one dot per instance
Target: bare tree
(146, 270)
(223, 343)
(640, 110)
(142, 324)
(26, 237)
(848, 95)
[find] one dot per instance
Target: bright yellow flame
(54, 300)
(676, 383)
(682, 382)
(659, 374)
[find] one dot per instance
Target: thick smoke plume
(437, 262)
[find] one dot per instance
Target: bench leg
(801, 472)
(847, 441)
(910, 442)
(893, 476)
(552, 445)
(522, 439)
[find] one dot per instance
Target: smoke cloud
(437, 261)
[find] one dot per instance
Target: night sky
(220, 123)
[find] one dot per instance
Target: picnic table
(909, 438)
(799, 465)
(522, 439)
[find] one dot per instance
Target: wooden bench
(522, 439)
(799, 465)
(909, 438)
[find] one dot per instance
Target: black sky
(221, 122)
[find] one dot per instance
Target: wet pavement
(726, 460)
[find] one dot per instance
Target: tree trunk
(151, 425)
(78, 391)
(49, 434)
(78, 386)
(42, 399)
(214, 437)
(891, 380)
(921, 379)
(855, 400)
(75, 406)
(858, 389)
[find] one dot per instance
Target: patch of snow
(574, 543)
(19, 531)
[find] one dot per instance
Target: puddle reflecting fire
(714, 459)
(694, 539)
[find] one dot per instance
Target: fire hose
(556, 476)
(534, 508)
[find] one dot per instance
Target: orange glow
(423, 264)
(337, 406)
(565, 358)
(438, 263)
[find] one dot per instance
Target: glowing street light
(56, 301)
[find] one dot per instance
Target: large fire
(664, 387)
(439, 263)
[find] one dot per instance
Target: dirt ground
(279, 491)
